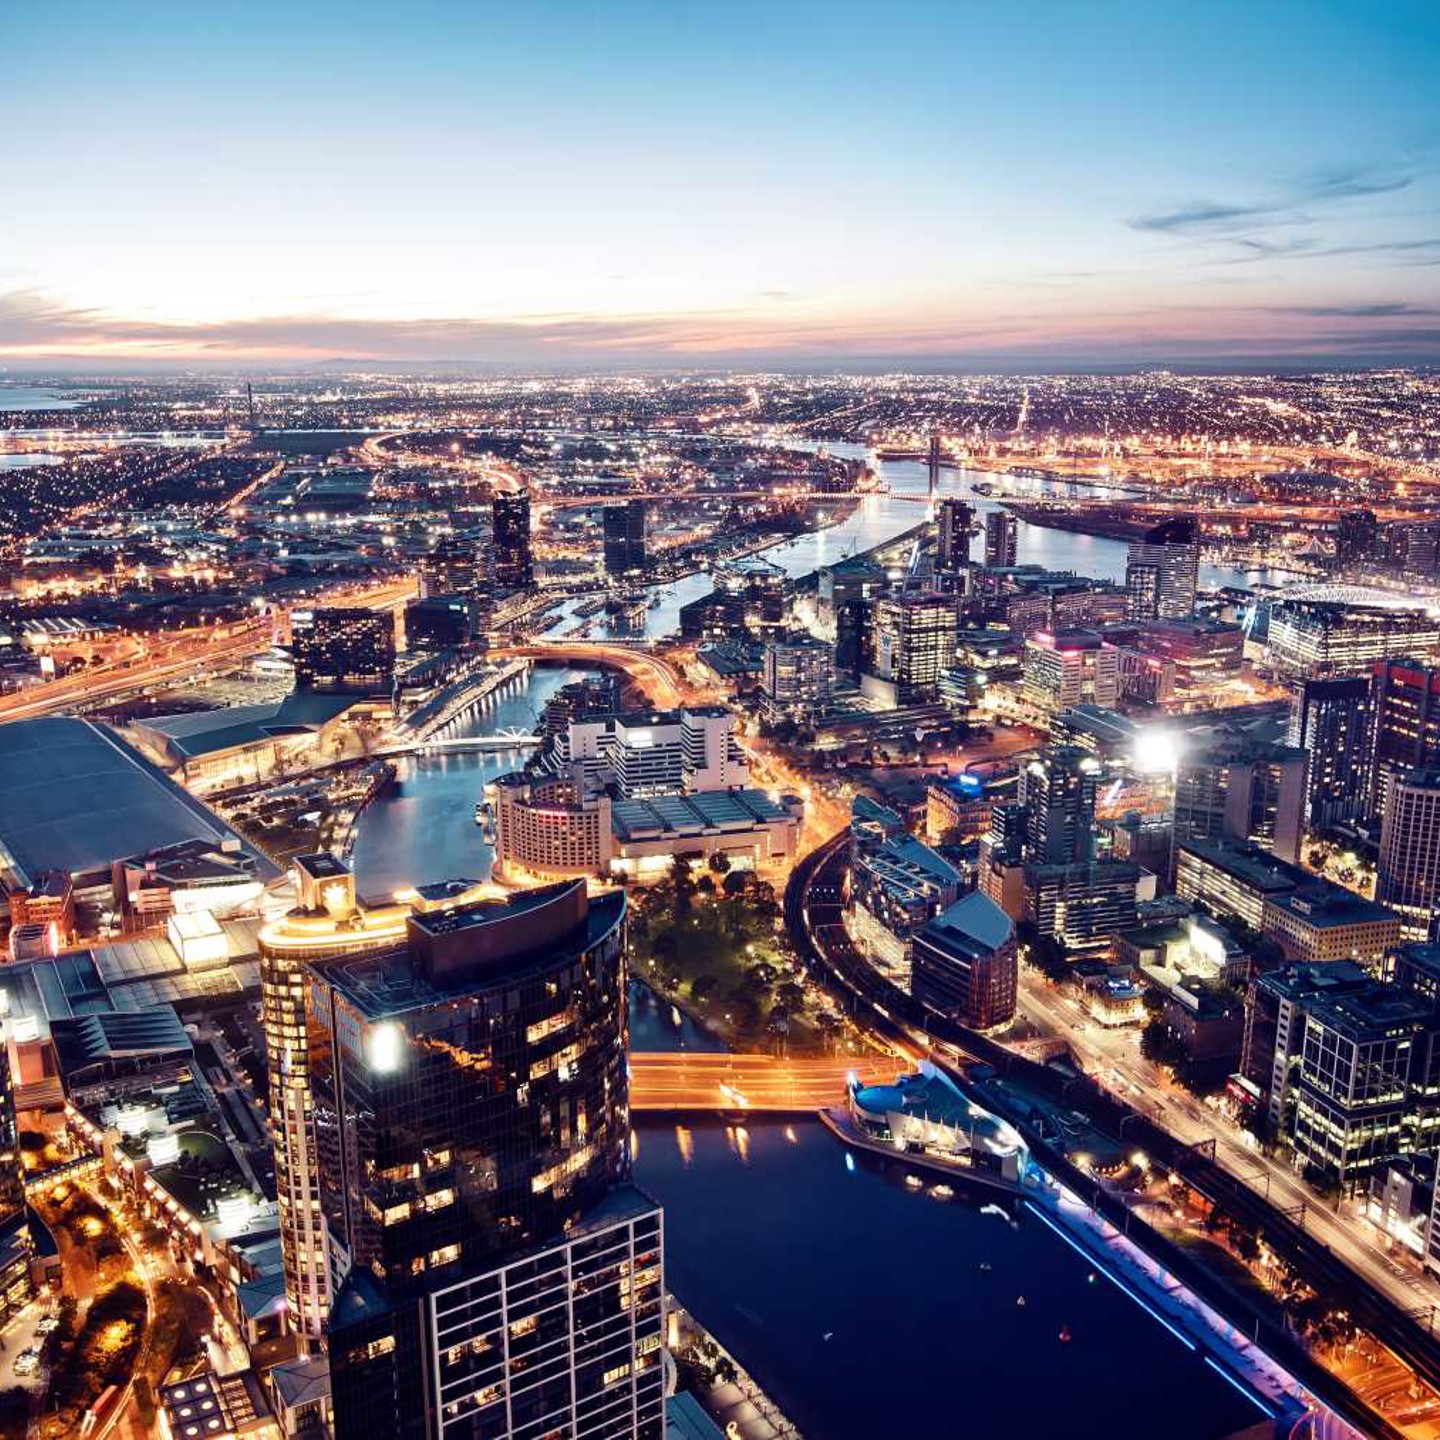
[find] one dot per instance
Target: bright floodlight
(382, 1048)
(1156, 752)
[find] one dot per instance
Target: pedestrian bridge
(695, 1080)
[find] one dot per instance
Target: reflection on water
(423, 828)
(871, 1310)
(655, 1024)
(878, 518)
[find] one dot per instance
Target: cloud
(1209, 219)
(37, 330)
(1374, 310)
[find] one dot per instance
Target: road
(1112, 1058)
(814, 916)
(701, 1080)
(169, 660)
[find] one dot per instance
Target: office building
(1367, 1083)
(1233, 880)
(797, 677)
(1329, 721)
(1404, 723)
(655, 752)
(914, 644)
(1082, 906)
(344, 649)
(592, 698)
(1408, 876)
(441, 622)
(1356, 534)
(1322, 921)
(1205, 655)
(1239, 785)
(1002, 532)
(498, 1274)
(1068, 668)
(624, 537)
(1057, 793)
(513, 561)
(16, 1289)
(1323, 637)
(954, 520)
(1162, 571)
(964, 963)
(457, 564)
(1275, 1002)
(897, 883)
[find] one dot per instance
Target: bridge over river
(718, 1081)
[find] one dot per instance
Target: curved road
(813, 916)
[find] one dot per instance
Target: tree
(719, 862)
(702, 986)
(736, 882)
(789, 997)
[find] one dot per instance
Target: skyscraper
(326, 920)
(456, 564)
(964, 963)
(953, 520)
(1002, 535)
(501, 1278)
(1329, 720)
(343, 648)
(514, 566)
(1404, 723)
(1162, 572)
(914, 643)
(1408, 876)
(1355, 536)
(1057, 791)
(624, 527)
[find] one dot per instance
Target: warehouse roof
(75, 797)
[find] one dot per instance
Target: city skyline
(798, 189)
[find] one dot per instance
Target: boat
(1020, 1301)
(941, 1192)
(1065, 1332)
(480, 813)
(914, 1181)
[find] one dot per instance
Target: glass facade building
(471, 1129)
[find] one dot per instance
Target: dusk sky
(953, 184)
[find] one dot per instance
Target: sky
(964, 185)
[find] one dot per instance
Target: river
(859, 1302)
(862, 1306)
(878, 518)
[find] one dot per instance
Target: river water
(878, 518)
(859, 1302)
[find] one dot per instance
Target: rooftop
(394, 982)
(208, 731)
(667, 815)
(77, 798)
(1247, 863)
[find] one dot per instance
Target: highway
(813, 914)
(706, 1081)
(1112, 1058)
(171, 659)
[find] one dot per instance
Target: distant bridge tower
(250, 408)
(934, 464)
